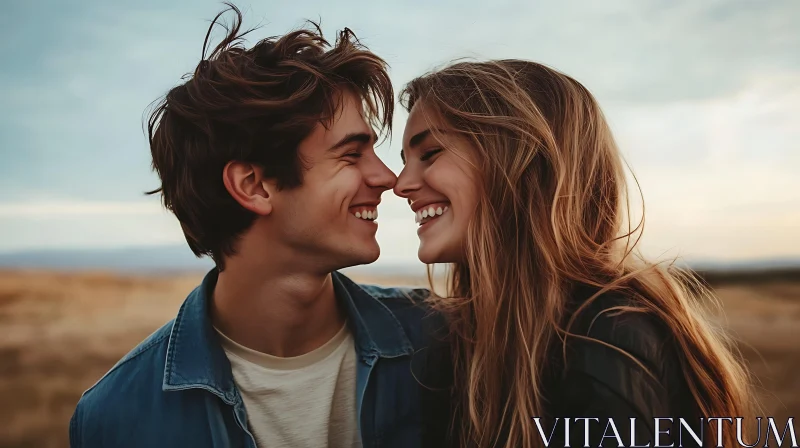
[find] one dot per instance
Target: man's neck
(280, 313)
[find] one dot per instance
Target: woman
(517, 184)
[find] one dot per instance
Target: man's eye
(428, 154)
(354, 155)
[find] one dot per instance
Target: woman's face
(440, 185)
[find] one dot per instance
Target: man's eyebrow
(354, 137)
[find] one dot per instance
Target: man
(266, 158)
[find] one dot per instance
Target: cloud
(702, 96)
(60, 209)
(86, 224)
(718, 176)
(623, 50)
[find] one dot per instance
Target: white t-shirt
(304, 401)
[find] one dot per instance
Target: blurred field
(61, 332)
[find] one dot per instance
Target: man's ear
(246, 184)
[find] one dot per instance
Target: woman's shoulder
(616, 319)
(629, 353)
(618, 363)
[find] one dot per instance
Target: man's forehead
(348, 119)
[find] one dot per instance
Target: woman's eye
(354, 155)
(428, 154)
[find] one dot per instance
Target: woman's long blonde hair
(551, 214)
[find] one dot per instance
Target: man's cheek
(348, 188)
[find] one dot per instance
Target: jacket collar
(195, 358)
(375, 328)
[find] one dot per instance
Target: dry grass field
(60, 332)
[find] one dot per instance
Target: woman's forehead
(420, 119)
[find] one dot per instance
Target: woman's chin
(427, 259)
(429, 254)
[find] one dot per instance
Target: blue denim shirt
(176, 389)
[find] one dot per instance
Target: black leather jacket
(599, 382)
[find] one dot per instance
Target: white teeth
(369, 215)
(429, 212)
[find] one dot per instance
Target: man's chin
(370, 255)
(365, 253)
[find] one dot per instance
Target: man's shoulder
(428, 332)
(405, 303)
(145, 358)
(123, 393)
(136, 375)
(410, 306)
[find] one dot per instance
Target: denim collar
(195, 358)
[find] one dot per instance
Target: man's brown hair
(253, 106)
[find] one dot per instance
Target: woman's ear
(245, 182)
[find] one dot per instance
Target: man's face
(330, 219)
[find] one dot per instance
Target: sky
(703, 99)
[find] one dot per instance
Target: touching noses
(407, 183)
